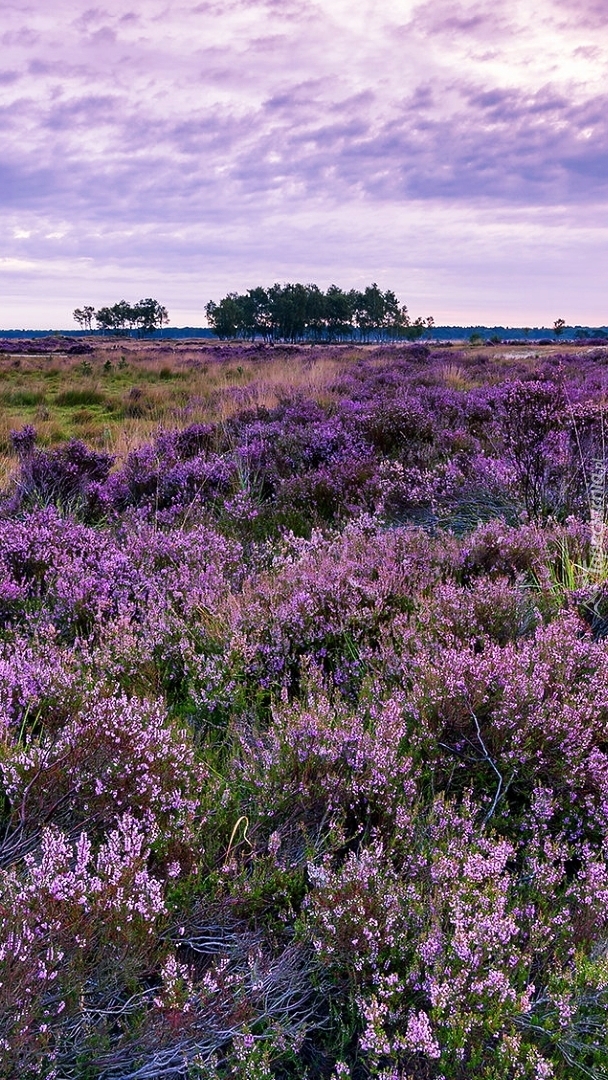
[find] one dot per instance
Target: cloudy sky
(456, 152)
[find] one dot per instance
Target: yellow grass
(120, 395)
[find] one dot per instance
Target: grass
(82, 396)
(118, 396)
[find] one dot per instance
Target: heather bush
(115, 755)
(74, 920)
(328, 599)
(38, 675)
(62, 475)
(455, 962)
(24, 440)
(304, 730)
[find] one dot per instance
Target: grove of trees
(144, 317)
(296, 312)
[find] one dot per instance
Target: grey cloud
(85, 111)
(20, 187)
(21, 38)
(444, 17)
(466, 24)
(506, 105)
(422, 98)
(212, 8)
(588, 52)
(266, 43)
(105, 35)
(91, 16)
(100, 26)
(307, 101)
(585, 13)
(13, 114)
(497, 145)
(42, 67)
(58, 69)
(288, 10)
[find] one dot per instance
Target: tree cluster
(296, 312)
(144, 317)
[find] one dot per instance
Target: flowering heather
(304, 733)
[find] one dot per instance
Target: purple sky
(455, 152)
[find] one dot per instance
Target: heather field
(304, 712)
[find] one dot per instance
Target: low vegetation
(304, 713)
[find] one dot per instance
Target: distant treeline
(296, 312)
(167, 332)
(542, 335)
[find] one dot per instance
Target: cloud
(180, 135)
(470, 21)
(588, 14)
(90, 110)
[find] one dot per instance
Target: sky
(455, 152)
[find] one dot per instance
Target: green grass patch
(22, 398)
(80, 398)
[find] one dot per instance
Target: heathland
(303, 712)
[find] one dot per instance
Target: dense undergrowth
(304, 756)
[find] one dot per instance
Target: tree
(149, 316)
(226, 318)
(391, 314)
(123, 314)
(416, 329)
(146, 316)
(289, 310)
(369, 310)
(295, 312)
(359, 314)
(248, 308)
(115, 318)
(558, 327)
(84, 316)
(316, 311)
(260, 313)
(338, 313)
(106, 319)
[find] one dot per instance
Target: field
(304, 712)
(116, 396)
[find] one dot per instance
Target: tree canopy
(296, 312)
(144, 317)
